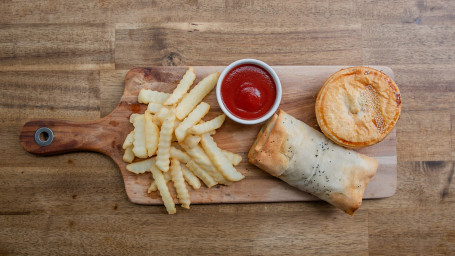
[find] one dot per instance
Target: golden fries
(153, 187)
(201, 174)
(190, 177)
(152, 134)
(202, 160)
(161, 115)
(139, 149)
(182, 87)
(149, 96)
(195, 116)
(192, 140)
(179, 184)
(219, 160)
(129, 140)
(196, 95)
(132, 116)
(154, 107)
(142, 166)
(164, 190)
(235, 159)
(128, 156)
(169, 135)
(164, 145)
(180, 155)
(209, 126)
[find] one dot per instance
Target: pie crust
(358, 107)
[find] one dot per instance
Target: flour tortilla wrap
(304, 158)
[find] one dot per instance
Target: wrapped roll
(304, 158)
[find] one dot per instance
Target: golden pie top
(358, 106)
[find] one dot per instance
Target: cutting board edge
(139, 202)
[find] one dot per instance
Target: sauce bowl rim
(276, 80)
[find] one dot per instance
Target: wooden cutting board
(300, 87)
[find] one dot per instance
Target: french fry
(128, 140)
(177, 146)
(153, 187)
(128, 156)
(201, 174)
(176, 124)
(192, 140)
(161, 115)
(142, 166)
(154, 107)
(152, 133)
(179, 184)
(180, 155)
(195, 116)
(202, 160)
(148, 96)
(235, 159)
(139, 149)
(219, 160)
(196, 95)
(212, 132)
(155, 121)
(208, 126)
(164, 145)
(182, 87)
(190, 177)
(197, 154)
(164, 190)
(132, 116)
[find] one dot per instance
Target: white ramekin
(263, 65)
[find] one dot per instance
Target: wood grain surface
(68, 59)
(300, 87)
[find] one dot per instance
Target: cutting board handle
(50, 137)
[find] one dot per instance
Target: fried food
(208, 126)
(164, 190)
(154, 107)
(192, 140)
(164, 144)
(179, 184)
(149, 96)
(190, 177)
(128, 156)
(139, 149)
(182, 87)
(201, 174)
(172, 129)
(235, 159)
(195, 116)
(219, 160)
(203, 161)
(196, 95)
(153, 187)
(128, 140)
(152, 134)
(289, 149)
(142, 166)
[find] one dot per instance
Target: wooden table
(67, 60)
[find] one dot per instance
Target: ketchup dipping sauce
(249, 92)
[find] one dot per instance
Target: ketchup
(248, 91)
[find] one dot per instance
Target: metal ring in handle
(47, 134)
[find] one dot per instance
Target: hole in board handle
(44, 136)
